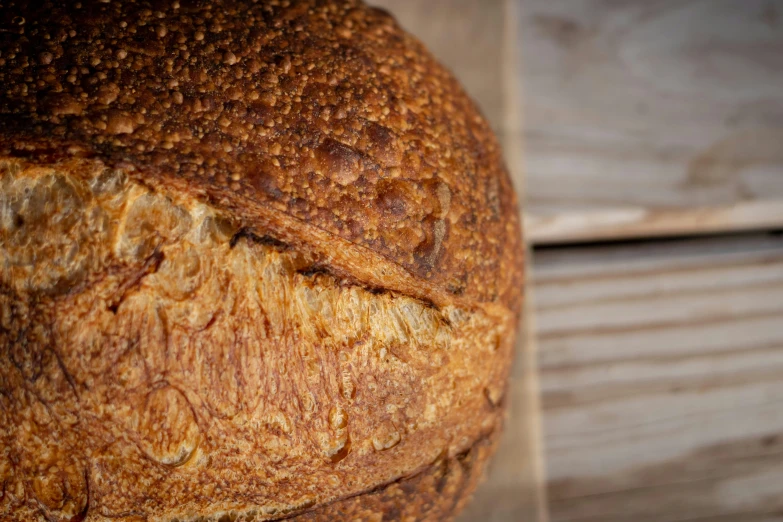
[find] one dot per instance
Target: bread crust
(259, 260)
(326, 113)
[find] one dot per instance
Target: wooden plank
(652, 118)
(661, 368)
(633, 222)
(477, 40)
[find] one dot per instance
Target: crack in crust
(158, 359)
(316, 112)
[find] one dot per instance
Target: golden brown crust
(256, 258)
(438, 492)
(322, 112)
(158, 361)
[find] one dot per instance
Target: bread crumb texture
(159, 363)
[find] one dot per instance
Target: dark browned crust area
(322, 113)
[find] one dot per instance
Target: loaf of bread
(259, 260)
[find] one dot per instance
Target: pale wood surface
(652, 117)
(477, 40)
(661, 368)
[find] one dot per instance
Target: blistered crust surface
(323, 111)
(157, 363)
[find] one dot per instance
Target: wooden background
(652, 117)
(660, 362)
(661, 370)
(649, 384)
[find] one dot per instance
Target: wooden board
(656, 117)
(661, 368)
(476, 39)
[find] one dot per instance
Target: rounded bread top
(318, 122)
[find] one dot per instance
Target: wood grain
(652, 118)
(662, 377)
